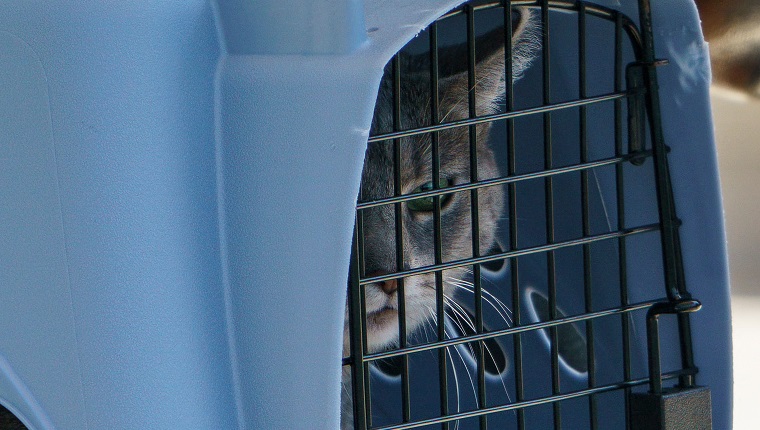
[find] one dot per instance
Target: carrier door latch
(636, 87)
(676, 408)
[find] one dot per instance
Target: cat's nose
(389, 287)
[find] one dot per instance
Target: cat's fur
(379, 228)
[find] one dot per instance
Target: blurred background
(732, 30)
(737, 129)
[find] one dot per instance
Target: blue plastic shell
(178, 182)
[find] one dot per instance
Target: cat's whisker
(461, 328)
(464, 316)
(432, 322)
(425, 331)
(457, 308)
(429, 324)
(462, 313)
(501, 376)
(506, 217)
(469, 271)
(469, 375)
(468, 286)
(453, 108)
(345, 389)
(453, 307)
(505, 315)
(453, 366)
(466, 368)
(466, 95)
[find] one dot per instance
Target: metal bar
(655, 380)
(687, 354)
(511, 330)
(620, 201)
(512, 215)
(664, 203)
(437, 239)
(474, 216)
(368, 396)
(399, 223)
(672, 259)
(541, 401)
(684, 320)
(358, 336)
(362, 274)
(496, 117)
(549, 207)
(503, 180)
(653, 337)
(587, 279)
(512, 253)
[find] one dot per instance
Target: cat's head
(416, 168)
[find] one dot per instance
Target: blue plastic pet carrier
(181, 228)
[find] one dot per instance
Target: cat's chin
(382, 328)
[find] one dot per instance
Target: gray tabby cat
(416, 175)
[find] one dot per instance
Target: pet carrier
(179, 217)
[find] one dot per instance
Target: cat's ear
(490, 88)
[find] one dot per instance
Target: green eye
(427, 204)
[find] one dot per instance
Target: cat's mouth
(382, 316)
(385, 310)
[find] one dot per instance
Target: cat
(379, 231)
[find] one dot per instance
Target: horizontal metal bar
(496, 117)
(509, 331)
(505, 180)
(509, 254)
(527, 403)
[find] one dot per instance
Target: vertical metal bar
(437, 239)
(472, 102)
(363, 274)
(684, 319)
(358, 336)
(512, 197)
(653, 341)
(687, 355)
(549, 203)
(399, 219)
(620, 197)
(360, 239)
(668, 221)
(587, 280)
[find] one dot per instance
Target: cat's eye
(427, 204)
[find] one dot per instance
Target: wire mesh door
(515, 225)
